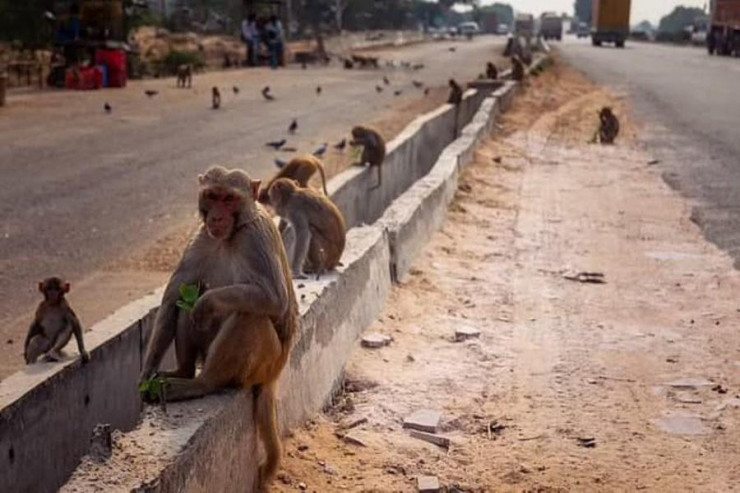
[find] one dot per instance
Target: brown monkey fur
(185, 76)
(456, 93)
(491, 71)
(300, 169)
(373, 149)
(215, 98)
(517, 69)
(53, 325)
(313, 231)
(243, 324)
(609, 126)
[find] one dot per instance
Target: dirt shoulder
(633, 384)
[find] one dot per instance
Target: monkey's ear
(41, 286)
(256, 189)
(66, 287)
(201, 179)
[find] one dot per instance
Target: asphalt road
(690, 105)
(81, 188)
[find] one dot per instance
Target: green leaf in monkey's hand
(189, 294)
(152, 390)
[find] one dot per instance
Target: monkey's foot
(181, 389)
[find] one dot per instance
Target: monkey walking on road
(491, 71)
(185, 76)
(243, 325)
(373, 149)
(215, 98)
(608, 126)
(54, 324)
(312, 228)
(300, 169)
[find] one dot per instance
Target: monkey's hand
(202, 313)
(85, 357)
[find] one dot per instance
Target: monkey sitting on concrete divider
(53, 325)
(216, 98)
(608, 126)
(313, 229)
(300, 169)
(185, 76)
(373, 149)
(243, 325)
(456, 93)
(491, 71)
(517, 69)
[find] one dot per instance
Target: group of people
(258, 32)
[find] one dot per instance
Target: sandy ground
(59, 119)
(629, 385)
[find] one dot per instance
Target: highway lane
(690, 105)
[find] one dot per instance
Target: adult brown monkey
(373, 149)
(243, 324)
(185, 75)
(314, 232)
(608, 126)
(53, 325)
(300, 169)
(517, 69)
(491, 71)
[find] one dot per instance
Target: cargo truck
(723, 35)
(610, 22)
(551, 26)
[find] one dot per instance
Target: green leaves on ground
(152, 390)
(189, 294)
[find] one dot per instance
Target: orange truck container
(723, 36)
(610, 22)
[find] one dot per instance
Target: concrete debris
(438, 440)
(427, 484)
(690, 383)
(423, 420)
(101, 443)
(354, 424)
(353, 440)
(466, 332)
(586, 277)
(586, 442)
(374, 341)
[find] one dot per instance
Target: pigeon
(321, 150)
(418, 66)
(378, 89)
(426, 92)
(453, 48)
(276, 144)
(341, 145)
(280, 163)
(266, 94)
(235, 89)
(107, 108)
(293, 126)
(318, 90)
(417, 84)
(386, 81)
(304, 66)
(151, 92)
(397, 93)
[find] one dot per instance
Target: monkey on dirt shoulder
(313, 230)
(373, 149)
(491, 71)
(54, 324)
(608, 126)
(185, 76)
(243, 325)
(517, 69)
(300, 169)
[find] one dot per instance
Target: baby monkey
(53, 325)
(216, 98)
(608, 126)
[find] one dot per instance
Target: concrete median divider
(48, 411)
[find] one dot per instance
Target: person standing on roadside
(251, 36)
(275, 41)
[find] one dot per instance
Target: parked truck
(610, 22)
(524, 25)
(723, 35)
(551, 26)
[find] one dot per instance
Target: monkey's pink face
(220, 210)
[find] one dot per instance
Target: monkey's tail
(323, 180)
(266, 417)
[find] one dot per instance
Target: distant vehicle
(502, 29)
(610, 22)
(524, 25)
(583, 30)
(723, 36)
(551, 26)
(468, 29)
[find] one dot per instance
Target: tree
(24, 21)
(680, 18)
(583, 10)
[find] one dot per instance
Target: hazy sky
(651, 10)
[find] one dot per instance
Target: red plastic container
(117, 78)
(86, 79)
(115, 60)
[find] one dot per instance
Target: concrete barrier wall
(62, 402)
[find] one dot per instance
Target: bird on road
(266, 94)
(453, 48)
(341, 145)
(235, 89)
(277, 144)
(107, 108)
(318, 90)
(321, 150)
(417, 84)
(378, 89)
(151, 93)
(280, 163)
(426, 92)
(293, 126)
(397, 93)
(386, 81)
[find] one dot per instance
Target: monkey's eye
(229, 197)
(211, 195)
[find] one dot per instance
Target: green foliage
(176, 58)
(153, 389)
(680, 18)
(24, 21)
(189, 294)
